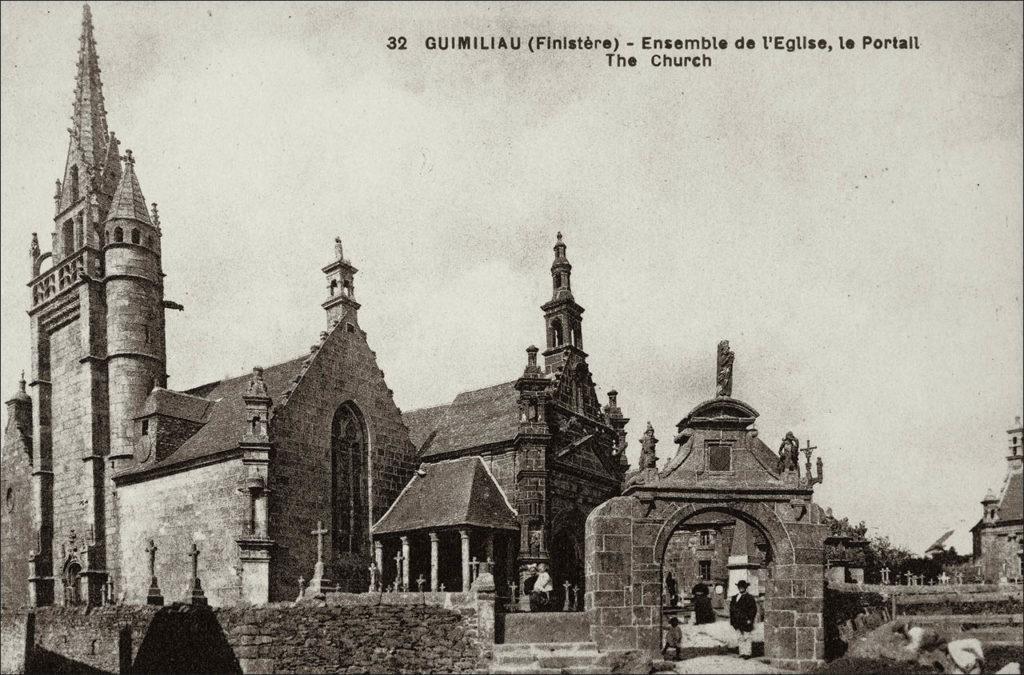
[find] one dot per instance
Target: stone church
(999, 535)
(105, 469)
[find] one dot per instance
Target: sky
(850, 221)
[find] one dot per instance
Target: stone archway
(626, 539)
(567, 551)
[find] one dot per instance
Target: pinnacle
(128, 202)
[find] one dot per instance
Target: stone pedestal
(255, 558)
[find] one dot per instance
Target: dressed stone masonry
(722, 469)
(102, 461)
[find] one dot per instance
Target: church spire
(89, 116)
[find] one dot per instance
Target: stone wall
(1000, 552)
(344, 370)
(350, 633)
(17, 533)
(201, 505)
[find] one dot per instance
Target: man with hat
(742, 612)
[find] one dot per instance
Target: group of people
(742, 615)
(539, 586)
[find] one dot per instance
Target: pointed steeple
(128, 202)
(89, 116)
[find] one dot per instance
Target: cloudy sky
(851, 221)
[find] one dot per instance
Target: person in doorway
(742, 612)
(540, 596)
(673, 640)
(702, 610)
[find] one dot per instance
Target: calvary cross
(319, 532)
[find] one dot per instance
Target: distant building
(999, 535)
(939, 547)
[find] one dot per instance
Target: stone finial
(33, 249)
(612, 409)
(128, 158)
(648, 457)
(531, 356)
(339, 251)
(257, 387)
(156, 215)
(723, 371)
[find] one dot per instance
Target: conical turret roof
(128, 202)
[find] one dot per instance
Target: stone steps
(548, 657)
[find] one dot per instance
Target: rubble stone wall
(349, 634)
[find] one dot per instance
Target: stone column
(433, 561)
(405, 563)
(464, 535)
(378, 557)
(489, 548)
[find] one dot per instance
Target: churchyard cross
(398, 572)
(198, 597)
(959, 578)
(151, 549)
(944, 578)
(576, 598)
(885, 575)
(419, 582)
(319, 533)
(302, 588)
(909, 577)
(442, 588)
(567, 586)
(153, 596)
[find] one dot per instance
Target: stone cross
(319, 533)
(373, 577)
(885, 575)
(419, 582)
(398, 571)
(194, 554)
(959, 577)
(198, 597)
(512, 588)
(151, 550)
(567, 586)
(302, 588)
(575, 598)
(909, 576)
(442, 588)
(944, 578)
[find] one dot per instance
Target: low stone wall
(400, 632)
(16, 630)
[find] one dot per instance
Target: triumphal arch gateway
(723, 487)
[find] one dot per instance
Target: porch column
(464, 534)
(489, 549)
(378, 559)
(405, 563)
(433, 561)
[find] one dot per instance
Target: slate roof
(176, 404)
(225, 418)
(940, 543)
(128, 202)
(475, 418)
(449, 493)
(1011, 507)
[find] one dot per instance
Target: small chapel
(118, 488)
(998, 536)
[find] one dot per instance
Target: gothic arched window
(118, 234)
(349, 481)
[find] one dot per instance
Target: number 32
(396, 42)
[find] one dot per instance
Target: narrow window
(705, 538)
(68, 237)
(145, 427)
(135, 236)
(334, 287)
(118, 235)
(704, 570)
(74, 184)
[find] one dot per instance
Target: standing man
(742, 612)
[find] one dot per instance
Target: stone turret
(341, 302)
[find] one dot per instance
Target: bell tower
(563, 317)
(96, 313)
(340, 304)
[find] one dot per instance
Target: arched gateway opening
(704, 559)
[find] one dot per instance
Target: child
(673, 639)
